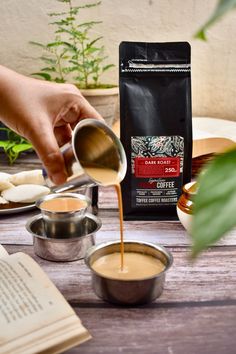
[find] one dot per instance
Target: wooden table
(195, 314)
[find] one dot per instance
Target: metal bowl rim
(63, 240)
(157, 246)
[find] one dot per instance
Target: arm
(44, 113)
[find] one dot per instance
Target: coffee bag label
(157, 170)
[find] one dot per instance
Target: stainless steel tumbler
(93, 143)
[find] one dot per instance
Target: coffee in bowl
(63, 204)
(62, 213)
(136, 266)
(140, 281)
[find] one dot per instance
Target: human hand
(44, 113)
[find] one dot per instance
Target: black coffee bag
(156, 127)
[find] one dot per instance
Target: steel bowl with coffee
(128, 291)
(62, 213)
(71, 246)
(64, 230)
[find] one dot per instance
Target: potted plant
(77, 56)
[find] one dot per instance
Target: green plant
(215, 202)
(74, 54)
(14, 145)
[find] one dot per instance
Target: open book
(211, 135)
(34, 316)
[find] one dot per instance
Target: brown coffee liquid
(137, 266)
(105, 176)
(109, 177)
(120, 206)
(63, 204)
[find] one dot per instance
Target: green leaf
(49, 69)
(41, 45)
(89, 24)
(73, 62)
(87, 6)
(14, 145)
(70, 69)
(91, 50)
(201, 35)
(59, 80)
(215, 202)
(48, 60)
(51, 14)
(94, 41)
(107, 67)
(45, 76)
(60, 23)
(21, 147)
(70, 46)
(221, 9)
(64, 30)
(54, 44)
(3, 144)
(63, 22)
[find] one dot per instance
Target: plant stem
(85, 70)
(59, 66)
(73, 30)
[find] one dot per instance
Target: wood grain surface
(196, 312)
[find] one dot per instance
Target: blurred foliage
(215, 202)
(14, 145)
(223, 7)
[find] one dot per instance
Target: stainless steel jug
(93, 143)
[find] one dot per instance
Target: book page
(52, 339)
(3, 252)
(31, 306)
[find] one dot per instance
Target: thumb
(48, 151)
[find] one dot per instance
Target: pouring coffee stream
(109, 177)
(95, 156)
(103, 164)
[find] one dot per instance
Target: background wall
(213, 62)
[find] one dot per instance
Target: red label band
(146, 167)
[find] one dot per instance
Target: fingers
(53, 128)
(63, 134)
(47, 148)
(75, 109)
(88, 111)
